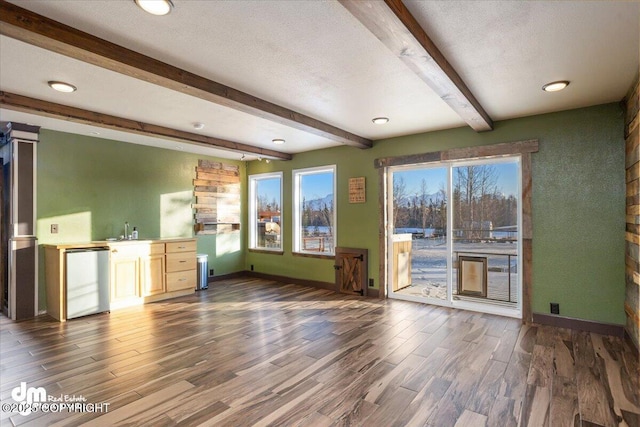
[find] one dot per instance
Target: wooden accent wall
(217, 191)
(632, 261)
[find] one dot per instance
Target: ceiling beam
(29, 27)
(24, 104)
(392, 23)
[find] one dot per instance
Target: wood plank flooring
(254, 352)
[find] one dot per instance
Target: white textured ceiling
(314, 57)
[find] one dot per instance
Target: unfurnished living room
(319, 213)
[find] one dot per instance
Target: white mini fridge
(87, 281)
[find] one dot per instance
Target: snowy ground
(429, 268)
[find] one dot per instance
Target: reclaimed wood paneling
(632, 236)
(631, 102)
(632, 150)
(217, 192)
(507, 148)
(382, 232)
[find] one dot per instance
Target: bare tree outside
(399, 200)
(474, 188)
(423, 200)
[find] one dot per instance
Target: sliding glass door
(454, 234)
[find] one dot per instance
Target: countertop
(110, 243)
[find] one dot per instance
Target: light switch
(54, 228)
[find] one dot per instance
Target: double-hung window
(265, 211)
(314, 210)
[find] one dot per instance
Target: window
(265, 216)
(314, 207)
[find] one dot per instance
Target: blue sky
(436, 178)
(317, 185)
(271, 188)
(314, 186)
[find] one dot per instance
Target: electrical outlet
(555, 308)
(54, 228)
(211, 272)
(371, 283)
(251, 267)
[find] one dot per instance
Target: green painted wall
(578, 206)
(91, 186)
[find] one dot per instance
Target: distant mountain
(317, 204)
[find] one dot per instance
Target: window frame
(297, 174)
(252, 211)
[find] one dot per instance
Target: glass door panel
(419, 248)
(485, 232)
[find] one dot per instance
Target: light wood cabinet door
(152, 275)
(125, 274)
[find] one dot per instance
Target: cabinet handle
(181, 247)
(182, 262)
(114, 251)
(182, 280)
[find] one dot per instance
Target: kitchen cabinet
(152, 271)
(140, 272)
(125, 277)
(125, 261)
(181, 266)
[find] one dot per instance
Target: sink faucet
(126, 230)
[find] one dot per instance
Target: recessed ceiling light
(380, 120)
(198, 126)
(278, 141)
(155, 7)
(62, 86)
(555, 86)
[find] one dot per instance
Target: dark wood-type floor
(253, 352)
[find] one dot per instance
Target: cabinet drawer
(181, 280)
(186, 246)
(181, 261)
(156, 248)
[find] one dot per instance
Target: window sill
(314, 255)
(267, 251)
